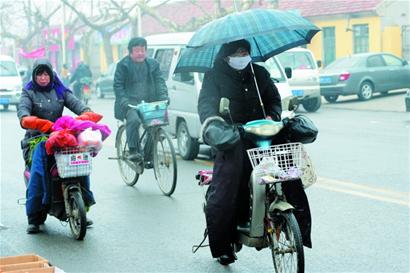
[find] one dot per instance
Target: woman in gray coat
(42, 103)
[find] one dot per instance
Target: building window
(361, 38)
(329, 49)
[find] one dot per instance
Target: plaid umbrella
(269, 32)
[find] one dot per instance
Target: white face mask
(239, 63)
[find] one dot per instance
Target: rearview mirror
(293, 104)
(319, 63)
(224, 106)
(405, 62)
(288, 72)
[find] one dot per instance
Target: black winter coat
(125, 82)
(239, 87)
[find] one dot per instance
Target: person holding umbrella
(228, 196)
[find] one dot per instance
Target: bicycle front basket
(154, 113)
(73, 162)
(282, 162)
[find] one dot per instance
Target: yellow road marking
(366, 195)
(380, 194)
(362, 187)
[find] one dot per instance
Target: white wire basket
(280, 162)
(73, 162)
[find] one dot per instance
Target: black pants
(132, 127)
(227, 198)
(296, 196)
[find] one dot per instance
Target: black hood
(40, 66)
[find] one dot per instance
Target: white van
(183, 89)
(10, 82)
(305, 77)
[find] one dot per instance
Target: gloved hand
(91, 116)
(35, 123)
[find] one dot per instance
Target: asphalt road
(360, 205)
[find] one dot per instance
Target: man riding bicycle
(137, 78)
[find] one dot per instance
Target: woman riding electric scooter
(228, 195)
(42, 103)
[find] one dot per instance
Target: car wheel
(331, 98)
(188, 147)
(313, 104)
(407, 102)
(366, 91)
(6, 107)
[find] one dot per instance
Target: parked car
(363, 75)
(10, 82)
(304, 82)
(104, 84)
(183, 89)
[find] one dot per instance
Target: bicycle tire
(127, 168)
(286, 244)
(165, 162)
(78, 218)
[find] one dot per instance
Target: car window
(346, 62)
(392, 61)
(296, 60)
(274, 69)
(164, 57)
(375, 61)
(8, 69)
(185, 77)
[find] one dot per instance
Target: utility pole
(63, 48)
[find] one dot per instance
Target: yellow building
(355, 26)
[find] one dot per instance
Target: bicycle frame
(157, 146)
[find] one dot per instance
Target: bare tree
(110, 19)
(23, 32)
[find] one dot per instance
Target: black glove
(221, 135)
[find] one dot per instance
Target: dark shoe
(32, 229)
(226, 259)
(237, 247)
(135, 157)
(89, 222)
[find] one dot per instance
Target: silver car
(363, 75)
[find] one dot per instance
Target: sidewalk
(393, 102)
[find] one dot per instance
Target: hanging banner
(38, 53)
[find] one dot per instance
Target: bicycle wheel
(128, 169)
(286, 244)
(78, 218)
(165, 162)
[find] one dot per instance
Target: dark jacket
(239, 87)
(125, 83)
(47, 103)
(82, 71)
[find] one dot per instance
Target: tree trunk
(85, 44)
(134, 24)
(107, 48)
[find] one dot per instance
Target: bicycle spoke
(165, 163)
